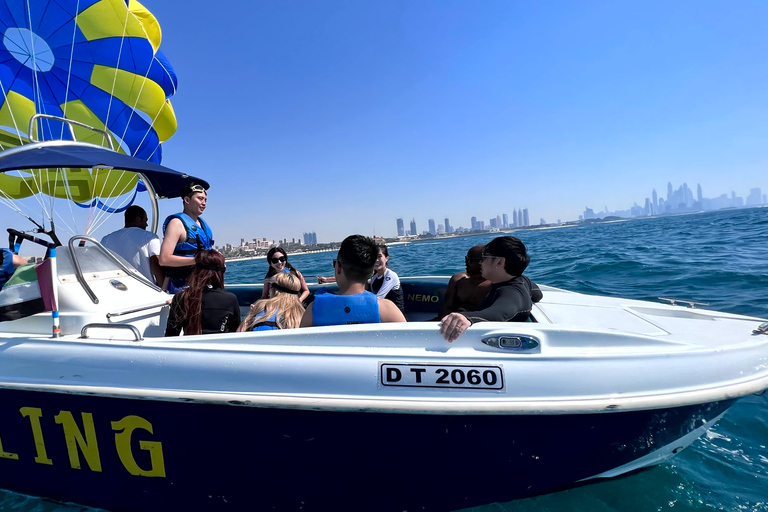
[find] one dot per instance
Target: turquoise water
(720, 258)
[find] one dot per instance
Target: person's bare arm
(174, 233)
(304, 287)
(306, 319)
(388, 312)
(450, 296)
(18, 260)
(157, 270)
(323, 280)
(265, 289)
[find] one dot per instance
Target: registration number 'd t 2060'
(441, 376)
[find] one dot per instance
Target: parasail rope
(69, 70)
(102, 215)
(157, 114)
(117, 68)
(13, 118)
(39, 95)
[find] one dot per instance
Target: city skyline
(680, 200)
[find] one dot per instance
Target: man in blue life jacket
(8, 263)
(352, 267)
(185, 234)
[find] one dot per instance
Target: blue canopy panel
(166, 182)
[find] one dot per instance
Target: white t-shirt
(135, 245)
(391, 282)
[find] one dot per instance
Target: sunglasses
(486, 256)
(468, 260)
(276, 260)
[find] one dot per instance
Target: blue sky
(337, 117)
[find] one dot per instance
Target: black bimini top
(67, 154)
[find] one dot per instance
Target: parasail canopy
(56, 155)
(93, 61)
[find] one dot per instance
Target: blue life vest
(198, 237)
(269, 325)
(6, 269)
(331, 309)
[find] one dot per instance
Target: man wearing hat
(185, 234)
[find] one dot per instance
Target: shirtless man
(466, 290)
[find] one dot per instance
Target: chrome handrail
(70, 124)
(79, 272)
(130, 327)
(136, 310)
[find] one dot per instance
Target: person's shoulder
(389, 312)
(173, 220)
(458, 276)
(141, 234)
(222, 293)
(391, 274)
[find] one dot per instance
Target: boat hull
(150, 455)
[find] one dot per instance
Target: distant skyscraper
(699, 195)
(474, 223)
(448, 227)
(432, 228)
(669, 191)
(400, 227)
(505, 221)
(492, 223)
(526, 222)
(655, 201)
(755, 197)
(310, 238)
(498, 221)
(413, 227)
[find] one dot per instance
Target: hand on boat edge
(453, 325)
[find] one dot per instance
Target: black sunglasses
(486, 255)
(467, 259)
(275, 260)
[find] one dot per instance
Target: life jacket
(269, 325)
(198, 239)
(331, 309)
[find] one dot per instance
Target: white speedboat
(109, 413)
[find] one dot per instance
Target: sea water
(719, 258)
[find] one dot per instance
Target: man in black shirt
(512, 294)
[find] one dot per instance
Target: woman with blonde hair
(282, 310)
